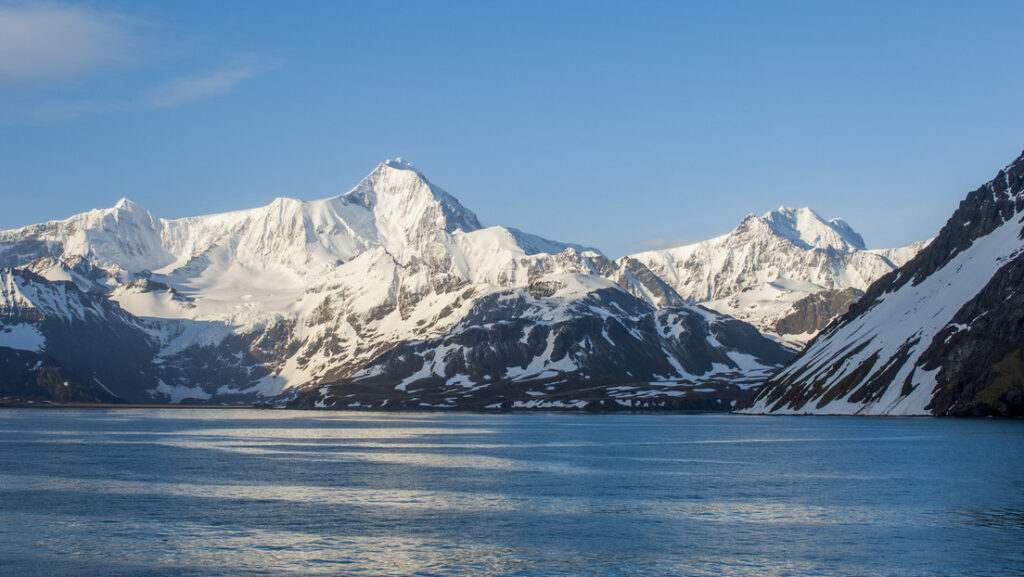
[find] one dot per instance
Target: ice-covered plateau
(390, 295)
(943, 334)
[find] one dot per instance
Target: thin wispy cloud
(55, 41)
(44, 46)
(221, 81)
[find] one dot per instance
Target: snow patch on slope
(23, 337)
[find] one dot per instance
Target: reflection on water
(189, 547)
(233, 492)
(442, 501)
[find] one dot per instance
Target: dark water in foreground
(232, 492)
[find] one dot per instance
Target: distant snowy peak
(399, 193)
(803, 227)
(127, 207)
(762, 271)
(125, 236)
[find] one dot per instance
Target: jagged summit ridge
(394, 206)
(394, 209)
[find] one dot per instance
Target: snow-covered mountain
(942, 335)
(788, 272)
(362, 299)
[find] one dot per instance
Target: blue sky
(620, 125)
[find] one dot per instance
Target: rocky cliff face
(518, 349)
(941, 335)
(304, 297)
(813, 312)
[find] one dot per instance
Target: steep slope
(298, 295)
(941, 335)
(83, 333)
(767, 269)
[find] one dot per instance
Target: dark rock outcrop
(30, 378)
(981, 368)
(813, 312)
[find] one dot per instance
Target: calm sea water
(238, 492)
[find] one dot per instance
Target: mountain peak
(404, 202)
(126, 204)
(400, 164)
(126, 209)
(790, 210)
(806, 229)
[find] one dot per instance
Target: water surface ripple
(239, 492)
